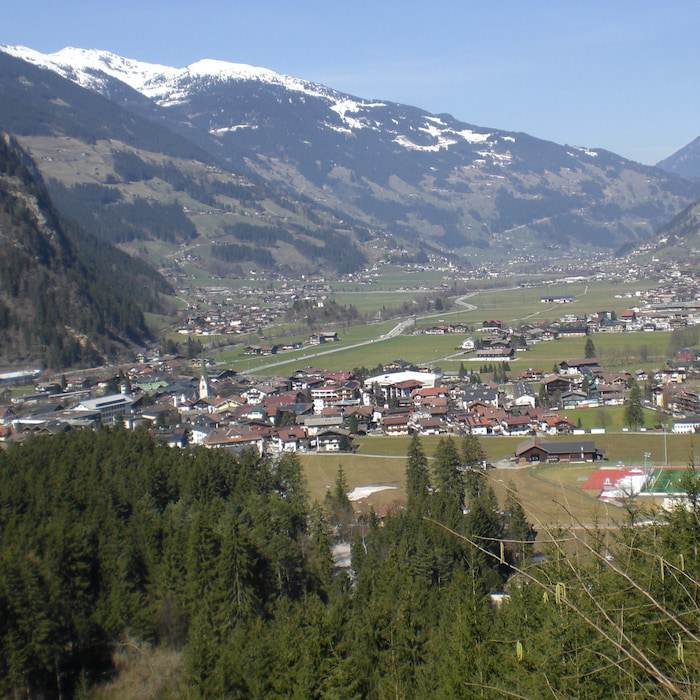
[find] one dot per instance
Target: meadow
(551, 494)
(511, 306)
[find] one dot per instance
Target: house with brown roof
(397, 424)
(516, 425)
(579, 366)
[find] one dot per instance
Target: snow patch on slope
(344, 106)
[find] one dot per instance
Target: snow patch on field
(360, 492)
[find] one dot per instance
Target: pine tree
(473, 454)
(448, 499)
(517, 528)
(634, 414)
(338, 505)
(417, 479)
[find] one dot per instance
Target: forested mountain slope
(66, 298)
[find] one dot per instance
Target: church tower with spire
(203, 381)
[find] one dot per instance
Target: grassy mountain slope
(139, 183)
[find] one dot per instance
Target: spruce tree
(448, 480)
(634, 414)
(417, 479)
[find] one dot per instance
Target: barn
(537, 450)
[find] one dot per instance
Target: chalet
(609, 394)
(671, 375)
(613, 378)
(687, 402)
(235, 439)
(290, 439)
(332, 440)
(430, 398)
(250, 414)
(255, 395)
(302, 379)
(459, 328)
(317, 424)
(495, 353)
(556, 383)
(429, 426)
(173, 436)
(579, 366)
(516, 425)
(556, 425)
(574, 398)
(296, 345)
(537, 450)
(472, 423)
(571, 330)
(397, 424)
(658, 396)
(348, 390)
(323, 337)
(323, 397)
(531, 374)
(397, 366)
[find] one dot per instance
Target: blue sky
(617, 75)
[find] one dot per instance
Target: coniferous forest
(110, 540)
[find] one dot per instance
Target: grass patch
(550, 493)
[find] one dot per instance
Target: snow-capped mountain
(168, 86)
(162, 84)
(394, 170)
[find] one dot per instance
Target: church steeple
(203, 381)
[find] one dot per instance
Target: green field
(665, 481)
(512, 306)
(612, 418)
(550, 493)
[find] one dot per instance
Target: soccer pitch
(665, 480)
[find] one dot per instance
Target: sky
(617, 75)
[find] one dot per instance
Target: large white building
(109, 407)
(400, 383)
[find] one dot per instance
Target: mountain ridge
(685, 161)
(377, 170)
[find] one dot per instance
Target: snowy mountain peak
(163, 84)
(83, 66)
(168, 87)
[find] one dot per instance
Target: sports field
(665, 480)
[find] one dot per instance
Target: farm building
(537, 450)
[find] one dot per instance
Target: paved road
(398, 329)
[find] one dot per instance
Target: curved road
(398, 329)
